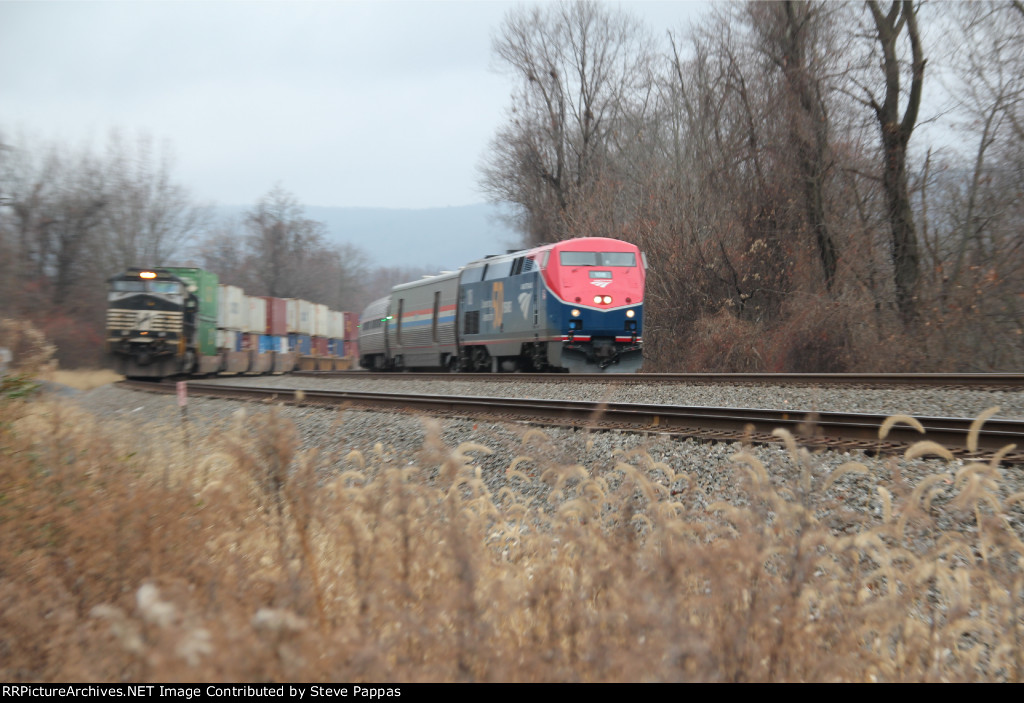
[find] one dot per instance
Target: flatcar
(573, 306)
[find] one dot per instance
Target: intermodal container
(301, 343)
(336, 324)
(320, 346)
(277, 317)
(230, 340)
(202, 284)
(256, 315)
(305, 320)
(269, 343)
(300, 316)
(351, 327)
(321, 321)
(231, 308)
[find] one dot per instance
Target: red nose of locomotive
(596, 273)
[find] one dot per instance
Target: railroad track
(975, 381)
(834, 430)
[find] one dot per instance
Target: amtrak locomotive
(572, 306)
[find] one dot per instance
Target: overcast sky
(343, 102)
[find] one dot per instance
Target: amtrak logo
(524, 303)
(600, 284)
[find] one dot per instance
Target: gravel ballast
(933, 402)
(399, 439)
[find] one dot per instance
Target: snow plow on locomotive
(573, 306)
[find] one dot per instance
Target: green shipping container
(204, 285)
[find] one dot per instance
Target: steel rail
(1001, 381)
(835, 429)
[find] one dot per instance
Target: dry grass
(125, 558)
(122, 559)
(83, 379)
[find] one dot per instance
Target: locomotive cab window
(597, 258)
(165, 287)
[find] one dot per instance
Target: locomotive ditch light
(575, 312)
(147, 274)
(630, 313)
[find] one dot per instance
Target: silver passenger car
(421, 324)
(373, 338)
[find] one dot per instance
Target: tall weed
(122, 557)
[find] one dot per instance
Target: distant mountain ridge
(443, 238)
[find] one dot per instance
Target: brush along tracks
(970, 381)
(964, 437)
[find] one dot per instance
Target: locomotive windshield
(133, 286)
(597, 258)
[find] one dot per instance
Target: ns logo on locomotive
(576, 306)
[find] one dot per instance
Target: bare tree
(793, 36)
(577, 65)
(974, 246)
(150, 219)
(277, 251)
(899, 21)
(282, 241)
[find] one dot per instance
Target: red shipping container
(351, 326)
(277, 316)
(320, 346)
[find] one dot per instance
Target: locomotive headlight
(574, 312)
(597, 299)
(630, 313)
(607, 300)
(147, 274)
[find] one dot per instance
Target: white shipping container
(337, 327)
(321, 321)
(228, 339)
(231, 309)
(291, 315)
(306, 322)
(256, 316)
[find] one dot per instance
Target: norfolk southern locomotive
(572, 306)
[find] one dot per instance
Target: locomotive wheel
(480, 359)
